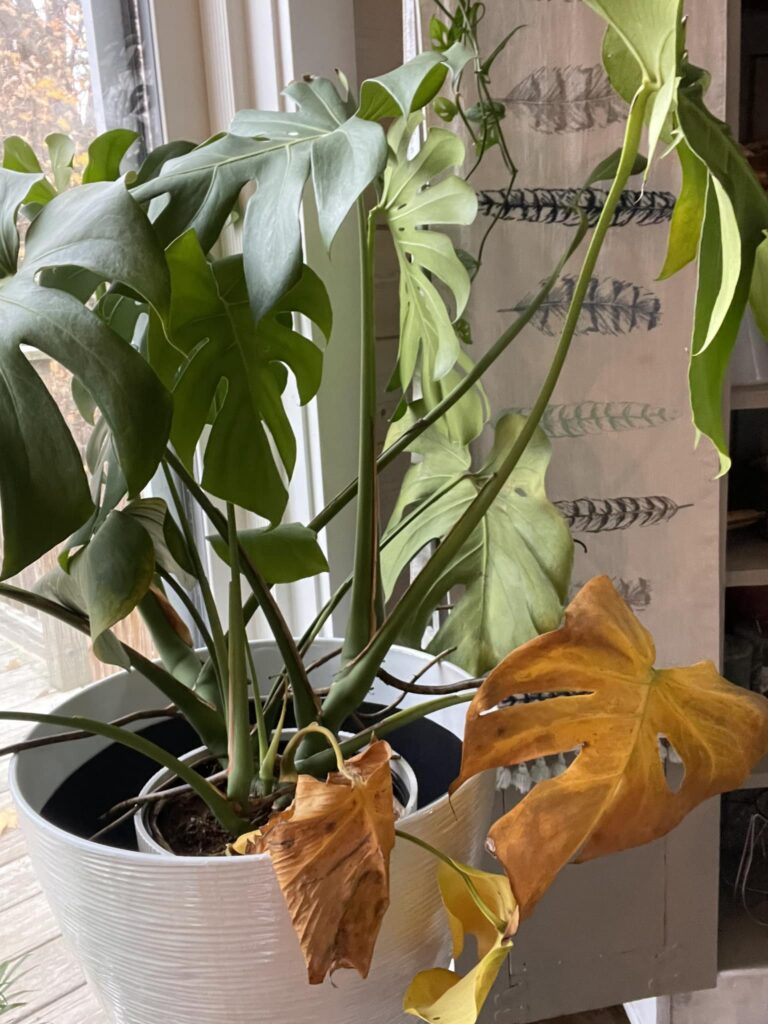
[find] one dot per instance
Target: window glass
(79, 68)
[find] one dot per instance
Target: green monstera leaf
(325, 139)
(282, 554)
(231, 372)
(514, 570)
(418, 193)
(733, 231)
(722, 214)
(650, 32)
(44, 491)
(105, 580)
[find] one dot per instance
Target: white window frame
(214, 57)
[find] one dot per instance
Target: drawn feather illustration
(567, 99)
(597, 515)
(611, 307)
(557, 206)
(580, 418)
(637, 591)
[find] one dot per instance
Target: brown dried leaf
(615, 794)
(330, 851)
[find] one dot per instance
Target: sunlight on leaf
(611, 705)
(440, 995)
(330, 851)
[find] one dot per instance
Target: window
(79, 68)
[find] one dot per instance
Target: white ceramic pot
(206, 940)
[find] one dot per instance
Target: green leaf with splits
(515, 568)
(232, 373)
(419, 193)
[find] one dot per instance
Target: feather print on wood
(577, 419)
(611, 307)
(556, 206)
(567, 99)
(637, 591)
(597, 515)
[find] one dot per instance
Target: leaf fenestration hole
(672, 764)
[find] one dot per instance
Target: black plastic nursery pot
(115, 774)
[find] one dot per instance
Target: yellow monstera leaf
(478, 904)
(612, 707)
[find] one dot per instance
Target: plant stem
(342, 499)
(258, 706)
(316, 764)
(217, 632)
(267, 768)
(238, 717)
(205, 719)
(288, 771)
(365, 576)
(485, 910)
(352, 684)
(218, 805)
(305, 704)
(192, 609)
(68, 737)
(180, 660)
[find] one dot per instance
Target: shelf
(742, 942)
(746, 560)
(749, 396)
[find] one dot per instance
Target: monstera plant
(181, 360)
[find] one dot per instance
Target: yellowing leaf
(612, 707)
(330, 851)
(8, 820)
(443, 996)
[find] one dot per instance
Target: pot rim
(28, 812)
(399, 766)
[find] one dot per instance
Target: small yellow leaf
(249, 842)
(443, 996)
(8, 820)
(330, 851)
(611, 705)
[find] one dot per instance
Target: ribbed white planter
(207, 940)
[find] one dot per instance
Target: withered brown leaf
(330, 850)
